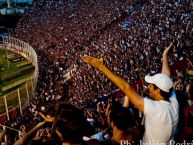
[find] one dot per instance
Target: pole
(8, 65)
(32, 85)
(6, 108)
(18, 93)
(27, 92)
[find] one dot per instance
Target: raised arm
(190, 72)
(2, 134)
(165, 64)
(126, 102)
(47, 119)
(133, 96)
(190, 63)
(23, 140)
(30, 134)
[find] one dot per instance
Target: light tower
(8, 4)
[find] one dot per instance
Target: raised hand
(168, 48)
(95, 62)
(165, 64)
(47, 119)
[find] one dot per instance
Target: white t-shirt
(161, 119)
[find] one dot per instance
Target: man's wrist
(40, 124)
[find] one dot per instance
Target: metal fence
(21, 96)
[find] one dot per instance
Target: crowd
(133, 50)
(64, 31)
(61, 32)
(110, 122)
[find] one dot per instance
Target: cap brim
(149, 79)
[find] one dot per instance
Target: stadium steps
(26, 69)
(23, 63)
(16, 81)
(15, 58)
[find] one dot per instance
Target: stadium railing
(25, 50)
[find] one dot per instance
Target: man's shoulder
(152, 107)
(151, 102)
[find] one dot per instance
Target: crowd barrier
(11, 132)
(24, 49)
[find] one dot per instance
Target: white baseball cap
(162, 81)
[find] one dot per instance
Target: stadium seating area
(129, 36)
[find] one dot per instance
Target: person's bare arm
(2, 134)
(190, 63)
(133, 96)
(165, 64)
(30, 134)
(48, 119)
(126, 102)
(176, 83)
(190, 72)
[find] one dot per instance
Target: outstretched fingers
(93, 61)
(168, 48)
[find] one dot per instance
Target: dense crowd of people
(62, 32)
(67, 25)
(129, 36)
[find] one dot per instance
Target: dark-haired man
(71, 124)
(161, 111)
(122, 122)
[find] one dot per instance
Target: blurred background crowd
(129, 35)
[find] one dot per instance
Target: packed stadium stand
(130, 37)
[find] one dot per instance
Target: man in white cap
(161, 111)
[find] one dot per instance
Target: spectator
(161, 111)
(130, 38)
(123, 124)
(71, 125)
(28, 136)
(186, 132)
(3, 136)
